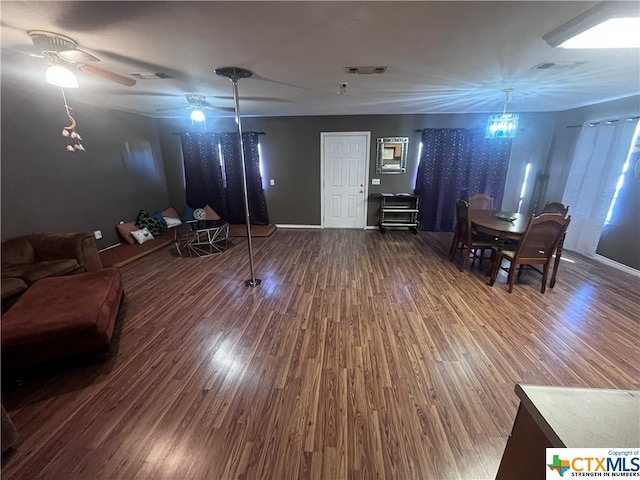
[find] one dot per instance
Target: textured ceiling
(442, 57)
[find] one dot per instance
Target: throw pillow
(142, 235)
(159, 216)
(211, 214)
(170, 212)
(172, 222)
(125, 229)
(145, 219)
(187, 215)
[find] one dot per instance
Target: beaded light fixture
(504, 125)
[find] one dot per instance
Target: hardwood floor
(361, 355)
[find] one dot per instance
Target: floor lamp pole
(234, 74)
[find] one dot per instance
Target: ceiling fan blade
(23, 52)
(171, 109)
(220, 109)
(77, 56)
(100, 72)
(255, 99)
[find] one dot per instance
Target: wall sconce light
(606, 25)
(504, 125)
(61, 77)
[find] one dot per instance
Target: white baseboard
(287, 225)
(110, 247)
(317, 227)
(614, 264)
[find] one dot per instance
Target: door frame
(323, 135)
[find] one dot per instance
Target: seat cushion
(32, 272)
(60, 317)
(18, 250)
(12, 286)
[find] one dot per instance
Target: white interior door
(345, 165)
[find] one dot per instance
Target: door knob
(361, 191)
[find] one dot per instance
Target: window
(524, 185)
(634, 153)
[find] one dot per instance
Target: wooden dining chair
(556, 207)
(464, 238)
(537, 246)
(481, 201)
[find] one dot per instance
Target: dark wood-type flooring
(361, 355)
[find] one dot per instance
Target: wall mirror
(392, 155)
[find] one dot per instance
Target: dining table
(506, 226)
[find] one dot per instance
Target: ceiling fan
(60, 49)
(197, 103)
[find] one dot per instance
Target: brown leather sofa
(30, 258)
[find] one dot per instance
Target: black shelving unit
(399, 210)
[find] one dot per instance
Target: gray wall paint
(291, 156)
(45, 188)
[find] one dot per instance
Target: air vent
(557, 66)
(150, 75)
(366, 70)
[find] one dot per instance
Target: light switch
(375, 181)
(272, 182)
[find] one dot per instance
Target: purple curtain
(455, 164)
(218, 182)
(203, 174)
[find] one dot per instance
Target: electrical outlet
(97, 234)
(272, 182)
(375, 181)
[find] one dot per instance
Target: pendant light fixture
(234, 74)
(503, 125)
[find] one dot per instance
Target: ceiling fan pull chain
(69, 132)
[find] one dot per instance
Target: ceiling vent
(366, 70)
(557, 66)
(150, 75)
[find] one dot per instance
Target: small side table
(201, 237)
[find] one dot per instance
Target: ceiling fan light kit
(61, 77)
(197, 116)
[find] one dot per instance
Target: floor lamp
(234, 74)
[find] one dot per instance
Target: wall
(45, 188)
(291, 156)
(620, 239)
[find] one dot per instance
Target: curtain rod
(180, 133)
(605, 122)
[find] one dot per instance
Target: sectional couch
(30, 258)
